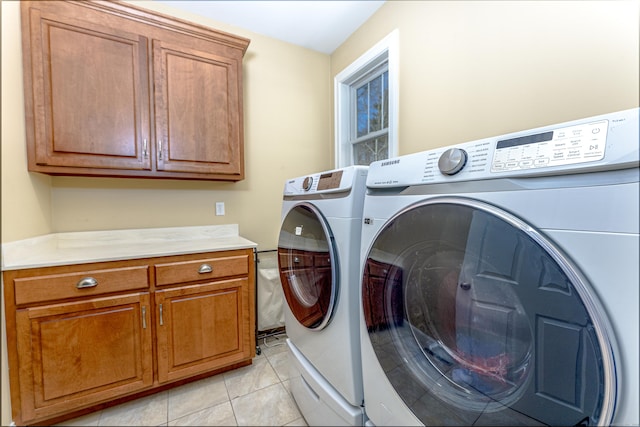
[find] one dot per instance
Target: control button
(452, 161)
(307, 183)
(526, 163)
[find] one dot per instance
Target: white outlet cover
(219, 208)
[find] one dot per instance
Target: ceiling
(318, 25)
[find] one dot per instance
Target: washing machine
(500, 280)
(318, 257)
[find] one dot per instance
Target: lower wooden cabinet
(82, 335)
(202, 327)
(75, 354)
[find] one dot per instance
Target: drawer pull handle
(205, 268)
(87, 282)
(296, 260)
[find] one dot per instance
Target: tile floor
(255, 395)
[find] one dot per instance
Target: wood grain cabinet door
(197, 111)
(202, 327)
(89, 103)
(81, 353)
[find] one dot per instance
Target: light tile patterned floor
(256, 395)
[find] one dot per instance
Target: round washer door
(478, 319)
(308, 266)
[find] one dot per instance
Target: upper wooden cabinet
(114, 90)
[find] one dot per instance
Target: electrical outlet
(219, 208)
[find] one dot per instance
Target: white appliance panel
(326, 354)
(575, 186)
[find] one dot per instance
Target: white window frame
(385, 50)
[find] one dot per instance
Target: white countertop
(97, 246)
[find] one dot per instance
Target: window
(366, 106)
(370, 129)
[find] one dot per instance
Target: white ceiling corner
(318, 25)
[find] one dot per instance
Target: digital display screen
(524, 140)
(330, 180)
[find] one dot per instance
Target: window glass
(371, 127)
(370, 150)
(376, 104)
(362, 110)
(385, 92)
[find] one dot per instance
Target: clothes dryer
(500, 280)
(318, 256)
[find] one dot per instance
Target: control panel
(609, 141)
(334, 181)
(563, 146)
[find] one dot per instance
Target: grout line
(233, 411)
(167, 408)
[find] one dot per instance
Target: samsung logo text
(390, 162)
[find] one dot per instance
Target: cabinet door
(202, 327)
(197, 111)
(89, 106)
(76, 354)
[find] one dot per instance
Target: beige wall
(287, 96)
(474, 69)
(26, 204)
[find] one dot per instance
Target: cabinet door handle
(87, 282)
(159, 149)
(161, 319)
(145, 149)
(144, 317)
(205, 268)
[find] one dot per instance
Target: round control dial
(452, 161)
(307, 183)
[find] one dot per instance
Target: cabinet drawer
(201, 269)
(79, 284)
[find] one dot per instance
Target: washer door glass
(478, 319)
(308, 266)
